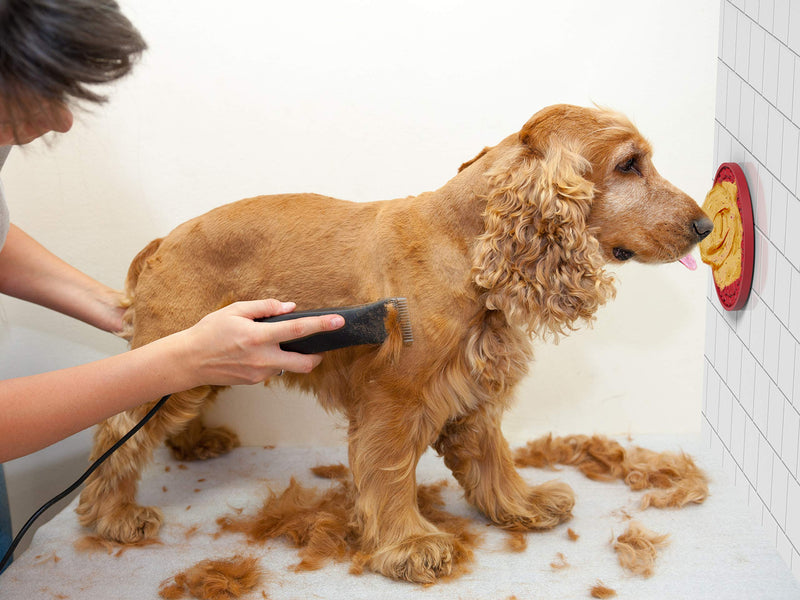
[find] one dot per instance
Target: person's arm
(225, 348)
(30, 272)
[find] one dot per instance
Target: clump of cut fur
(516, 541)
(676, 477)
(42, 559)
(599, 590)
(637, 548)
(321, 523)
(223, 579)
(317, 523)
(337, 471)
(559, 562)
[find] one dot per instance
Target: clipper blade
(404, 318)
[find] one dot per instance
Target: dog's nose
(702, 227)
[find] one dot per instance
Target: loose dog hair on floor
(637, 548)
(676, 477)
(320, 523)
(514, 246)
(220, 579)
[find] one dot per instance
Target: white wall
(372, 100)
(751, 409)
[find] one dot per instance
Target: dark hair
(54, 50)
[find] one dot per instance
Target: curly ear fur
(536, 260)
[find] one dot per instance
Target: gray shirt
(4, 218)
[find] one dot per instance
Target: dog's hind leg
(385, 442)
(108, 502)
(476, 452)
(198, 442)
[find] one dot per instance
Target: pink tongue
(689, 262)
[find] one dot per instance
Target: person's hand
(228, 347)
(112, 306)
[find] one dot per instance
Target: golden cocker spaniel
(514, 246)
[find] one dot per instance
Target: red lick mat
(735, 295)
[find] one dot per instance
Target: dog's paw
(421, 559)
(209, 443)
(550, 503)
(546, 506)
(129, 524)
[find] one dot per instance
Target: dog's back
(284, 246)
(313, 250)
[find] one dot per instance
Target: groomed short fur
(513, 246)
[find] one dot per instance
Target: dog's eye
(623, 254)
(629, 166)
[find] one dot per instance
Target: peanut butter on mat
(722, 249)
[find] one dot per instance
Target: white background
(366, 101)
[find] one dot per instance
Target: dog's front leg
(386, 440)
(475, 450)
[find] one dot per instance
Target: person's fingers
(284, 330)
(293, 329)
(238, 349)
(257, 309)
(299, 363)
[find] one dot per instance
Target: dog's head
(635, 213)
(574, 190)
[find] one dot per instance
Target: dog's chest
(498, 356)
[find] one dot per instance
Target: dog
(514, 247)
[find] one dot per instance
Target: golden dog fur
(513, 246)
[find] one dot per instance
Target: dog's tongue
(689, 262)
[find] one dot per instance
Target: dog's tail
(130, 286)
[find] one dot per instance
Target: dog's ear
(536, 260)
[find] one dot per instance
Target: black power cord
(10, 552)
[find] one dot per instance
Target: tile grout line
(769, 33)
(750, 152)
(754, 488)
(791, 265)
(733, 44)
(752, 420)
(723, 380)
(775, 178)
(732, 70)
(747, 346)
(769, 103)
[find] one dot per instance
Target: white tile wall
(751, 406)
